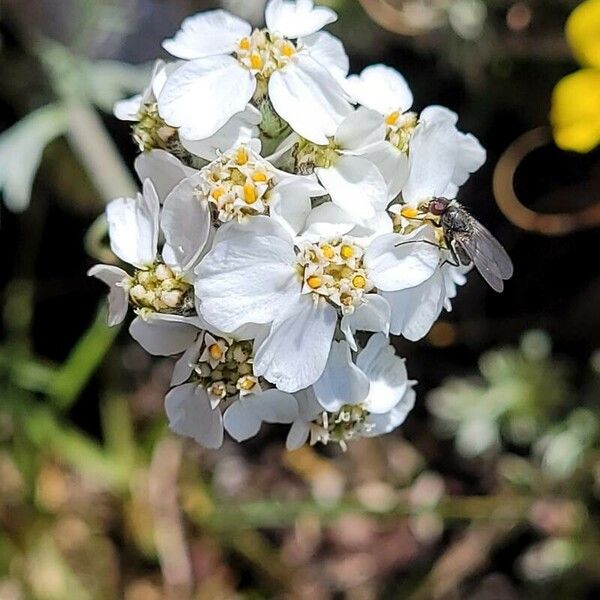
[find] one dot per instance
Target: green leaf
(21, 150)
(83, 361)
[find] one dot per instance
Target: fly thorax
(309, 156)
(237, 185)
(340, 427)
(224, 368)
(158, 289)
(334, 271)
(399, 129)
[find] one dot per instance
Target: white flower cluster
(285, 208)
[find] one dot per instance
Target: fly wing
(488, 256)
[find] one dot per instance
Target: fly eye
(436, 207)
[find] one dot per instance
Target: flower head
(228, 65)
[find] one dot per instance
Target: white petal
(133, 227)
(295, 353)
(258, 226)
(470, 157)
(240, 129)
(191, 415)
(355, 185)
(290, 206)
(392, 164)
(381, 88)
(203, 94)
(185, 222)
(438, 114)
(396, 262)
(432, 160)
(244, 417)
(184, 367)
(453, 277)
(298, 435)
(241, 421)
(373, 314)
(308, 405)
(246, 280)
(329, 52)
(307, 96)
(342, 381)
(283, 149)
(327, 221)
(128, 110)
(162, 169)
(359, 130)
(207, 34)
(394, 418)
(160, 72)
(274, 406)
(164, 335)
(415, 310)
(297, 19)
(386, 374)
(118, 298)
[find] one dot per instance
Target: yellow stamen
(215, 351)
(256, 62)
(409, 212)
(217, 193)
(359, 282)
(314, 281)
(259, 177)
(245, 43)
(346, 272)
(241, 156)
(346, 252)
(328, 252)
(392, 118)
(246, 383)
(249, 193)
(288, 50)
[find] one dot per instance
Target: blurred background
(491, 490)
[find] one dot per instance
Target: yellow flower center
(158, 289)
(392, 118)
(314, 282)
(400, 127)
(236, 185)
(215, 351)
(224, 368)
(334, 271)
(265, 52)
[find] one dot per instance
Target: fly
(470, 242)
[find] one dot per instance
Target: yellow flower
(575, 111)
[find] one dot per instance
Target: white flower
(354, 399)
(434, 144)
(382, 89)
(385, 91)
(229, 65)
(440, 157)
(156, 285)
(348, 166)
(240, 184)
(214, 386)
(257, 273)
